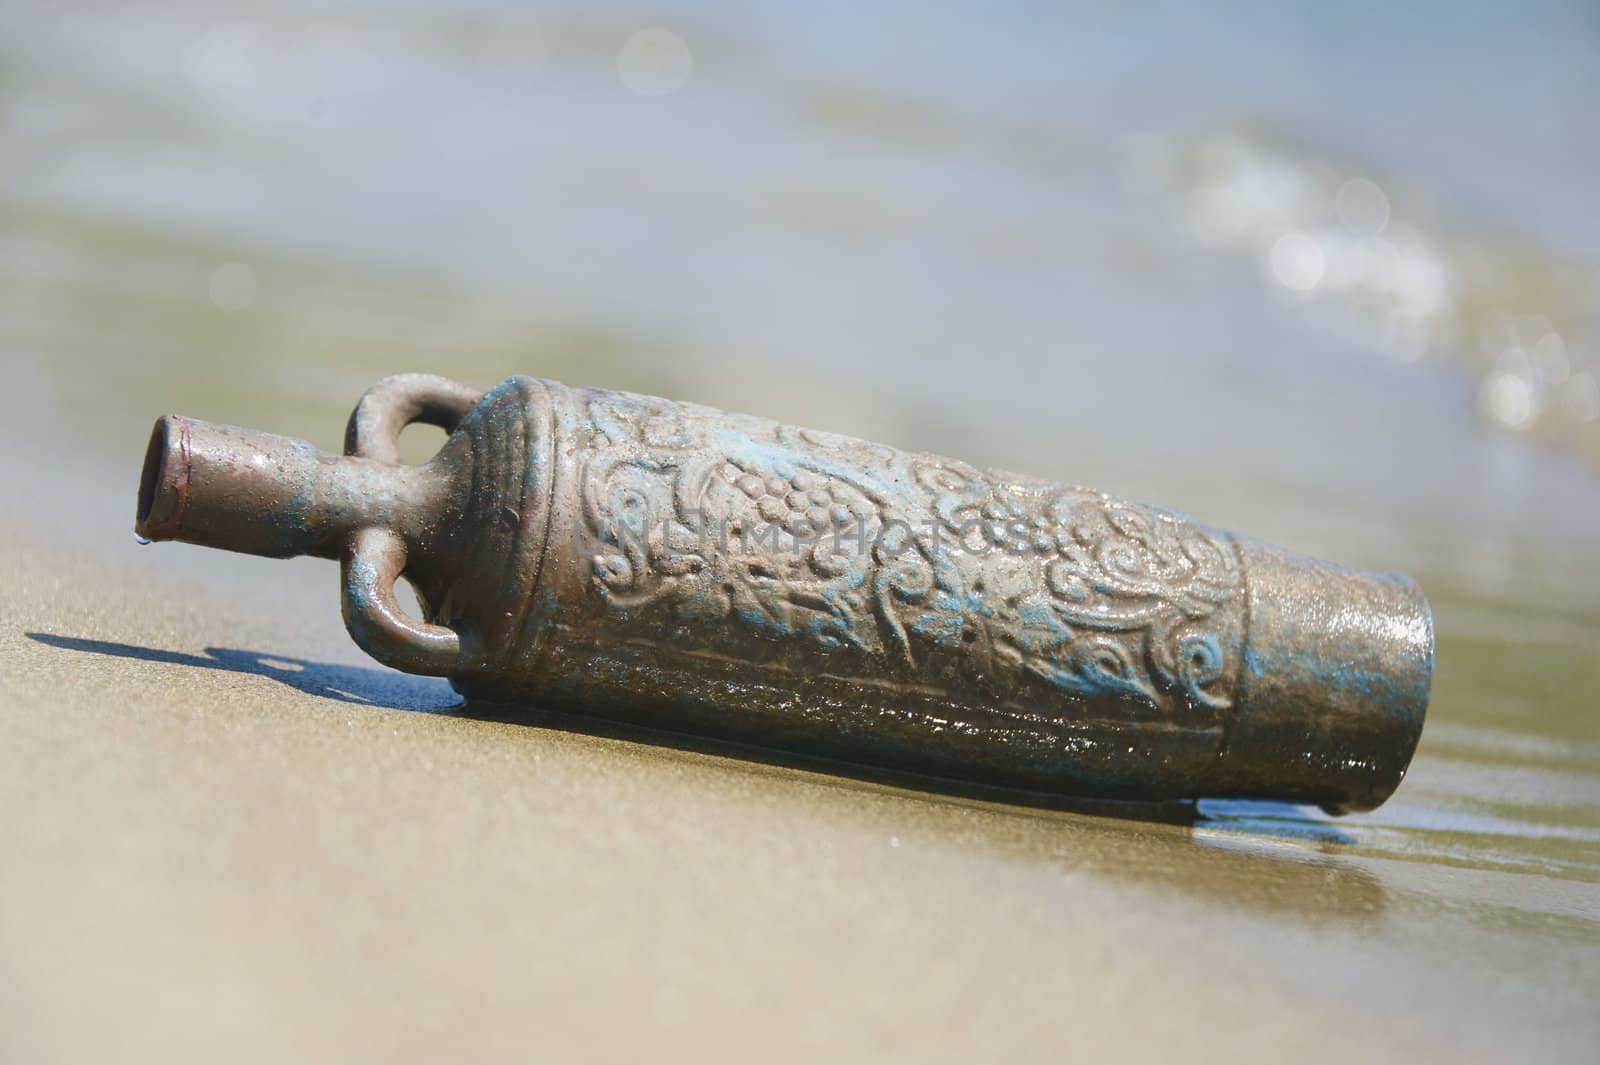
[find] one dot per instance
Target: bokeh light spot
(1508, 399)
(1297, 262)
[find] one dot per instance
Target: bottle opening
(162, 482)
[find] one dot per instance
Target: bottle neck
(263, 494)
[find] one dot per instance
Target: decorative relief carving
(923, 564)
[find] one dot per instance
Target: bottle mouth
(164, 481)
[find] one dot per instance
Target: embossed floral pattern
(845, 547)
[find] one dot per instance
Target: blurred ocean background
(1329, 274)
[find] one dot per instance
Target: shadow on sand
(361, 685)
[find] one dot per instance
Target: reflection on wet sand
(1147, 843)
